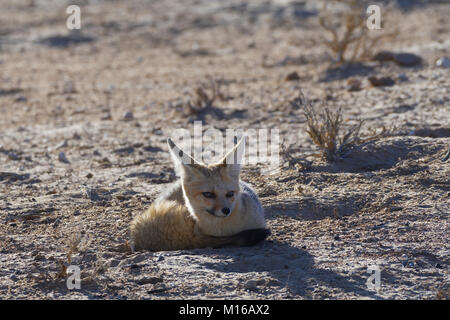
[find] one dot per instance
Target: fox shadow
(291, 267)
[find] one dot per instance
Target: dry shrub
(72, 244)
(204, 97)
(351, 40)
(200, 102)
(326, 129)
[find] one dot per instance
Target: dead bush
(351, 40)
(327, 130)
(204, 97)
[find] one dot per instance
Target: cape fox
(208, 207)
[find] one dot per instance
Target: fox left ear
(233, 160)
(185, 166)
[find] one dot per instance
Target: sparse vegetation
(351, 40)
(325, 128)
(204, 97)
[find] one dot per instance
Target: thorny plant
(73, 243)
(325, 128)
(351, 40)
(204, 97)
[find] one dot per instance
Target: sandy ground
(386, 204)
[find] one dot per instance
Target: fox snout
(223, 212)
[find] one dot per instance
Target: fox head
(209, 189)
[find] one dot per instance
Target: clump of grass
(326, 130)
(73, 243)
(204, 98)
(351, 40)
(200, 101)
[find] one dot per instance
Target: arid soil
(84, 118)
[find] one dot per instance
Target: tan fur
(166, 225)
(183, 218)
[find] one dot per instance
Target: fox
(208, 206)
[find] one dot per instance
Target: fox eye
(208, 195)
(229, 194)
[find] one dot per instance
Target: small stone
(443, 62)
(402, 58)
(128, 116)
(89, 175)
(383, 56)
(160, 258)
(13, 156)
(381, 82)
(407, 59)
(251, 285)
(62, 157)
(402, 77)
(125, 150)
(292, 76)
(21, 99)
(149, 280)
(353, 84)
(106, 116)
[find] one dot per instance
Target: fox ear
(233, 160)
(185, 166)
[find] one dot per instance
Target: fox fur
(209, 206)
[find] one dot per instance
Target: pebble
(407, 59)
(292, 76)
(251, 285)
(106, 116)
(402, 77)
(13, 156)
(353, 84)
(62, 157)
(443, 62)
(149, 280)
(381, 82)
(403, 59)
(383, 56)
(21, 99)
(128, 116)
(160, 258)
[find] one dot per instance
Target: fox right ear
(185, 166)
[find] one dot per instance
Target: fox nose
(226, 211)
